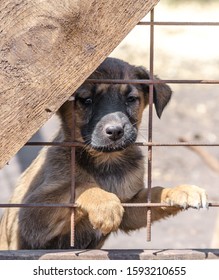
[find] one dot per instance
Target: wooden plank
(47, 49)
(163, 254)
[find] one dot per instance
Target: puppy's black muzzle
(112, 132)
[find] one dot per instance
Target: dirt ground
(181, 52)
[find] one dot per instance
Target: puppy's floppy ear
(162, 92)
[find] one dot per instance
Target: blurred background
(181, 52)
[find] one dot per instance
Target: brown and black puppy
(109, 170)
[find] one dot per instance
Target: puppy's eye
(131, 99)
(86, 101)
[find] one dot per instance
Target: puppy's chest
(124, 183)
(124, 179)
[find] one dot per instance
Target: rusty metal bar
(150, 124)
(74, 205)
(178, 144)
(62, 144)
(150, 81)
(178, 23)
(153, 204)
(73, 174)
(80, 144)
(37, 205)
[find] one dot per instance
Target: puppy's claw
(186, 196)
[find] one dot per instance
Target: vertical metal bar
(150, 125)
(73, 173)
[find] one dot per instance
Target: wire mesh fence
(149, 145)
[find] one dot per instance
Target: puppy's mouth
(109, 146)
(113, 147)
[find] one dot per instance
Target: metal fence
(149, 145)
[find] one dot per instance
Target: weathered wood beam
(189, 254)
(47, 49)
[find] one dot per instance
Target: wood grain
(163, 254)
(47, 49)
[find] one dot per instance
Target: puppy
(109, 170)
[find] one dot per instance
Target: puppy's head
(108, 115)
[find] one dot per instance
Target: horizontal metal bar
(80, 144)
(178, 23)
(62, 144)
(37, 205)
(178, 144)
(137, 82)
(151, 204)
(74, 205)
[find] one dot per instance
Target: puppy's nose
(115, 132)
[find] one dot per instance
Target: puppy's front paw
(107, 214)
(186, 196)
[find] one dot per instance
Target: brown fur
(109, 170)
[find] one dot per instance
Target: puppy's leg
(38, 227)
(181, 197)
(104, 209)
(8, 224)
